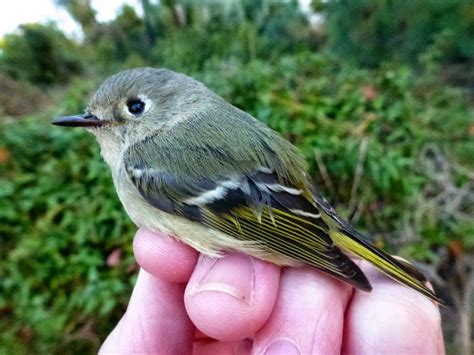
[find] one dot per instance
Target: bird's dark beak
(85, 120)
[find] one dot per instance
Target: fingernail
(232, 274)
(282, 347)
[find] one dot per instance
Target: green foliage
(373, 31)
(120, 41)
(55, 278)
(19, 98)
(185, 42)
(40, 54)
(82, 12)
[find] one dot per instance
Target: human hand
(243, 305)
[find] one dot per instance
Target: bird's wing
(256, 206)
(237, 176)
(346, 237)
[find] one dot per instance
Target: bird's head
(136, 103)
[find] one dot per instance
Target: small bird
(189, 164)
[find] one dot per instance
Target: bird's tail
(394, 267)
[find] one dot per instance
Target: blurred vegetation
(368, 95)
(371, 31)
(40, 54)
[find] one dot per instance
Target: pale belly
(206, 240)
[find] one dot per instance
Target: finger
(308, 315)
(391, 319)
(210, 346)
(155, 321)
(163, 256)
(203, 345)
(230, 298)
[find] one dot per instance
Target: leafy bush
(57, 289)
(19, 98)
(40, 54)
(371, 32)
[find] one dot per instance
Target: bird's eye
(135, 106)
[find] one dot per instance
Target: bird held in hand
(187, 163)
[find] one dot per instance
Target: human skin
(186, 303)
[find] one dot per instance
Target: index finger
(155, 321)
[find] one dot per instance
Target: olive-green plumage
(188, 163)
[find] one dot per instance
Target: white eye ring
(137, 106)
